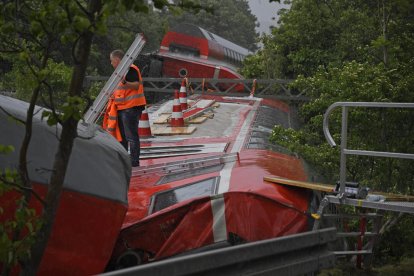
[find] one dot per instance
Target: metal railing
(296, 254)
(344, 151)
(272, 88)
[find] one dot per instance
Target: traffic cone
(253, 88)
(183, 96)
(144, 129)
(177, 119)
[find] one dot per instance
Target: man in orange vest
(125, 107)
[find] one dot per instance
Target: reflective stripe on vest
(111, 122)
(126, 97)
(121, 100)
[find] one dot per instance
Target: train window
(176, 48)
(211, 36)
(167, 198)
(183, 72)
(170, 177)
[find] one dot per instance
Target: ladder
(95, 110)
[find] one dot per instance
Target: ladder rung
(338, 216)
(355, 252)
(355, 234)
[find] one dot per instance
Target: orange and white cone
(177, 119)
(183, 96)
(144, 129)
(253, 88)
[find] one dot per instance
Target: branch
(83, 9)
(23, 189)
(52, 104)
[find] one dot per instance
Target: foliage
(122, 28)
(399, 239)
(11, 250)
(321, 33)
(369, 129)
(349, 51)
(21, 81)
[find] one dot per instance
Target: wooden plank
(168, 130)
(198, 120)
(330, 188)
(394, 197)
(162, 119)
(302, 184)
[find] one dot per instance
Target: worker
(125, 107)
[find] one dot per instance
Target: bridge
(263, 88)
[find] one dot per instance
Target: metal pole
(344, 134)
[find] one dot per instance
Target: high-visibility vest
(110, 121)
(126, 98)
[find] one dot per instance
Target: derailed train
(192, 192)
(200, 186)
(190, 51)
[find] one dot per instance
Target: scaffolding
(369, 209)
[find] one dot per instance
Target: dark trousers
(128, 125)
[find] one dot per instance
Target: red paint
(254, 209)
(83, 234)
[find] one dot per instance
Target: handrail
(264, 88)
(344, 134)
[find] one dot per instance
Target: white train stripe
(225, 173)
(217, 202)
(219, 218)
(216, 72)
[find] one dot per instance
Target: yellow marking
(316, 216)
(359, 203)
(330, 188)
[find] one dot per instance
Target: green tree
(349, 51)
(346, 51)
(369, 129)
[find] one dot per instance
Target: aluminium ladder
(95, 110)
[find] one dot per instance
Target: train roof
(108, 178)
(196, 31)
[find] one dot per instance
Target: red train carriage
(190, 51)
(93, 203)
(205, 189)
(194, 41)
